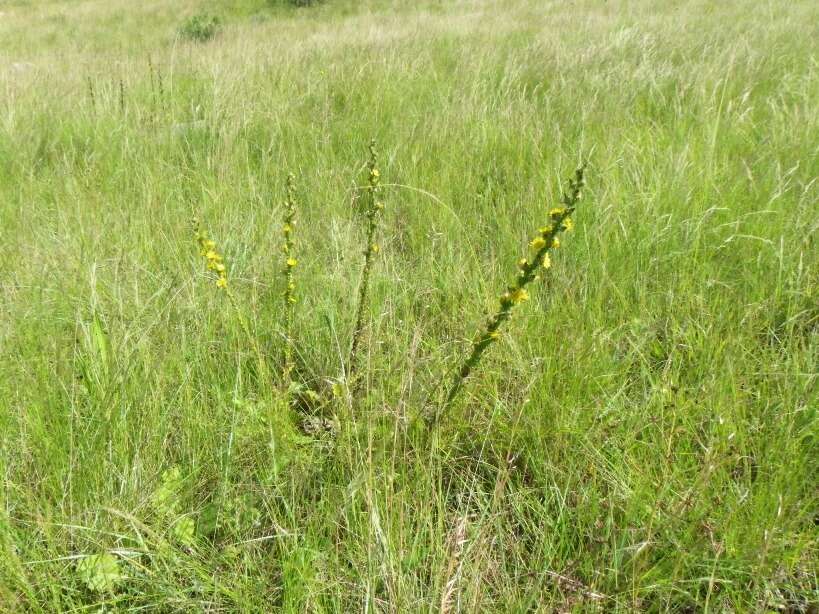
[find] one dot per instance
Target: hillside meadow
(640, 437)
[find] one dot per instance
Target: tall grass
(644, 438)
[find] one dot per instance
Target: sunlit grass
(644, 438)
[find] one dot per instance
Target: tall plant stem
(372, 208)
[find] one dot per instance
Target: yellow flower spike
(567, 224)
(214, 262)
(288, 248)
(516, 293)
(213, 259)
(372, 209)
(519, 295)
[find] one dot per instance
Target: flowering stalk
(215, 262)
(289, 278)
(546, 240)
(372, 208)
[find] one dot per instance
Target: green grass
(643, 439)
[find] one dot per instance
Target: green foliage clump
(295, 3)
(529, 270)
(200, 27)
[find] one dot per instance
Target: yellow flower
(555, 243)
(374, 248)
(518, 295)
(547, 261)
(568, 224)
(213, 259)
(495, 334)
(287, 229)
(537, 243)
(522, 263)
(291, 262)
(557, 212)
(545, 230)
(374, 173)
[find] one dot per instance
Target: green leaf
(100, 572)
(165, 499)
(208, 520)
(103, 345)
(184, 530)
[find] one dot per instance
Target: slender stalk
(215, 263)
(372, 208)
(541, 245)
(289, 277)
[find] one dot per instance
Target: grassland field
(641, 438)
